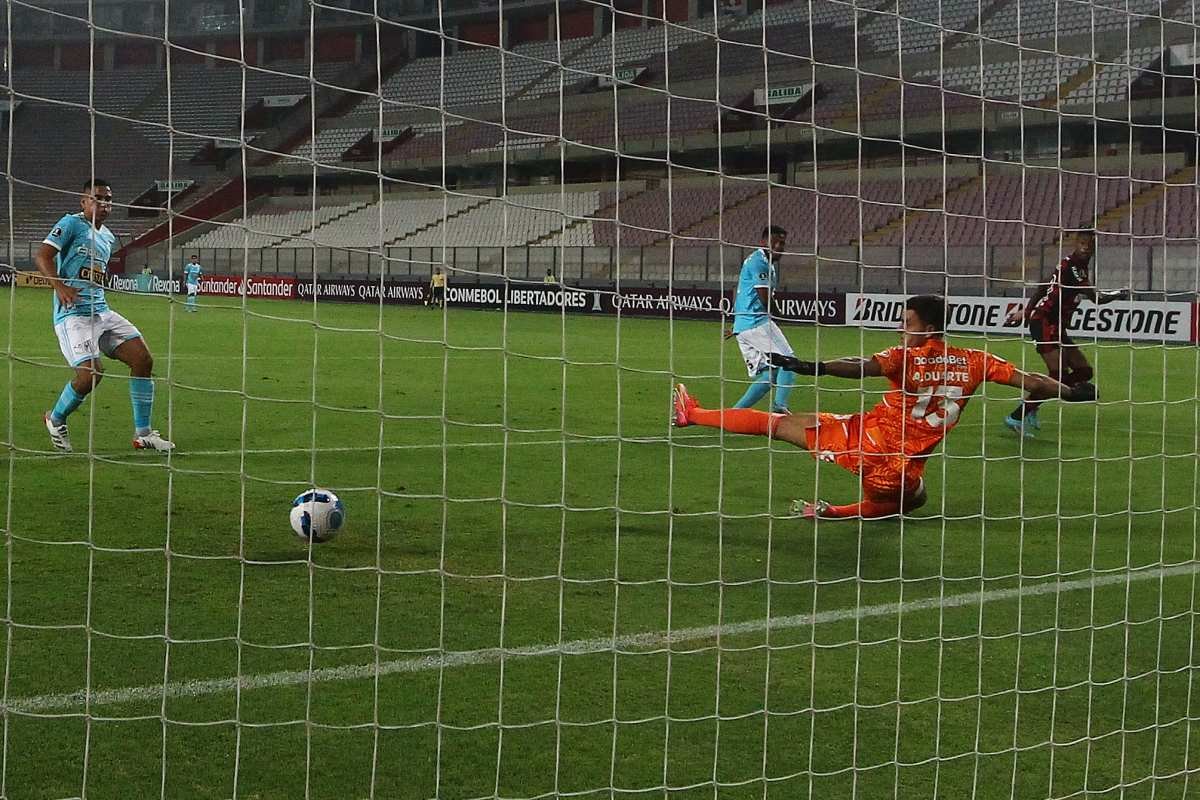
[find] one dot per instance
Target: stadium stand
(109, 92)
(274, 224)
(45, 188)
(400, 217)
(517, 220)
(603, 56)
(188, 113)
(919, 25)
(1028, 81)
(467, 78)
(1022, 21)
(1111, 81)
(536, 100)
(1011, 209)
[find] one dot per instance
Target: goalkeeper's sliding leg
(891, 483)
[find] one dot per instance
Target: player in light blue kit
(757, 335)
(191, 275)
(74, 257)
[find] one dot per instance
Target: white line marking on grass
(371, 448)
(650, 640)
(733, 443)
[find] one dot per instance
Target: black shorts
(1049, 335)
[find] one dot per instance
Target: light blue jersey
(191, 273)
(748, 310)
(83, 253)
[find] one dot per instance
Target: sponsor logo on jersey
(94, 273)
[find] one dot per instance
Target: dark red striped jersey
(1057, 300)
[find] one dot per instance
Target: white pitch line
(650, 640)
(51, 361)
(682, 438)
(372, 448)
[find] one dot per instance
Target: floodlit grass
(512, 482)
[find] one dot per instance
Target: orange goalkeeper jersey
(931, 386)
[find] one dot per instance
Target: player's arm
(1088, 290)
(852, 368)
(1023, 314)
(1100, 298)
(43, 259)
(1044, 386)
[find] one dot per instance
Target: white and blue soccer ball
(317, 515)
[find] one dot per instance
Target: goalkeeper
(888, 445)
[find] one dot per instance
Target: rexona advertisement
(277, 287)
(1136, 320)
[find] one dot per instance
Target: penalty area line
(639, 642)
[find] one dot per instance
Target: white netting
(543, 589)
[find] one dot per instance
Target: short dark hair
(195, 256)
(773, 230)
(1088, 232)
(94, 182)
(931, 309)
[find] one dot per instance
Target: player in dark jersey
(1048, 313)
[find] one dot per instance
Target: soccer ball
(317, 515)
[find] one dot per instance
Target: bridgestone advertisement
(1129, 320)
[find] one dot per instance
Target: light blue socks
(141, 397)
(756, 391)
(784, 381)
(68, 401)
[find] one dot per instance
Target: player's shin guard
(141, 397)
(737, 420)
(68, 401)
(757, 391)
(784, 380)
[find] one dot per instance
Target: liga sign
(620, 76)
(282, 100)
(781, 94)
(1124, 319)
(172, 187)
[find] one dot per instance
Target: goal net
(449, 260)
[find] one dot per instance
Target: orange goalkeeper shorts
(856, 443)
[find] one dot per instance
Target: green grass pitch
(512, 483)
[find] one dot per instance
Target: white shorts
(757, 344)
(83, 339)
(192, 289)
